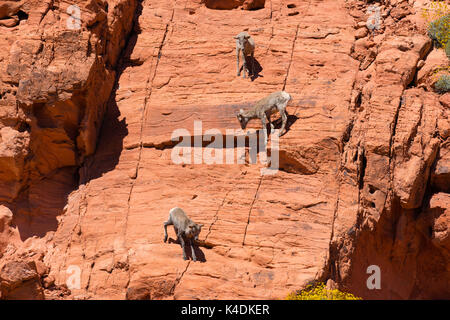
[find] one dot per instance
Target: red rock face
(233, 4)
(87, 172)
(397, 142)
(20, 281)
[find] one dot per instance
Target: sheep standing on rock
(186, 230)
(264, 108)
(245, 46)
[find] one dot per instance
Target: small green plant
(443, 84)
(320, 292)
(439, 30)
(437, 15)
(447, 49)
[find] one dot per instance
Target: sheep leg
(194, 257)
(283, 121)
(244, 62)
(167, 223)
(183, 245)
(176, 232)
(253, 68)
(264, 125)
(272, 127)
(237, 58)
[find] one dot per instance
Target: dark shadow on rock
(198, 252)
(254, 67)
(291, 119)
(113, 131)
(42, 201)
(171, 240)
(110, 145)
(39, 204)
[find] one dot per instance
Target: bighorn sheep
(185, 228)
(264, 108)
(245, 46)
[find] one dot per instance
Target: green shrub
(439, 30)
(320, 292)
(443, 84)
(447, 49)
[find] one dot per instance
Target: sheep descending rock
(186, 229)
(264, 108)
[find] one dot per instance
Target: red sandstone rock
(54, 86)
(415, 129)
(435, 66)
(360, 164)
(385, 176)
(20, 281)
(441, 174)
(445, 100)
(253, 4)
(5, 218)
(440, 215)
(233, 4)
(9, 8)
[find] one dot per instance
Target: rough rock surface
(20, 280)
(233, 4)
(55, 81)
(363, 176)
